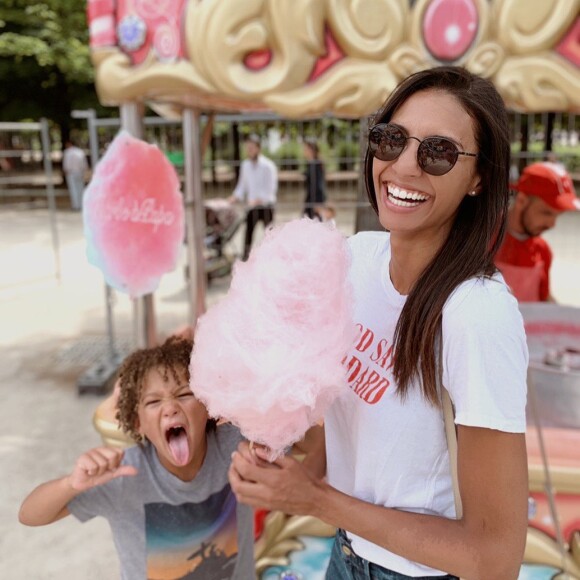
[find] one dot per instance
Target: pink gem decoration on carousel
(449, 28)
(268, 356)
(133, 216)
(258, 59)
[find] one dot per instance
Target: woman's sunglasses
(435, 155)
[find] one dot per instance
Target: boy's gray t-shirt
(167, 528)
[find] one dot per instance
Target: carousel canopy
(303, 58)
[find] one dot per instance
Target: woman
(431, 309)
(314, 183)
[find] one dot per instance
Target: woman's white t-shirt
(391, 452)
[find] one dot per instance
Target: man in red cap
(544, 191)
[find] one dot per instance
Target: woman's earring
(472, 193)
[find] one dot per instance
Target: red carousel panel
(569, 47)
(332, 55)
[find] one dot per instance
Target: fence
(38, 136)
(532, 136)
(281, 141)
(537, 136)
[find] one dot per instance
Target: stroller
(222, 222)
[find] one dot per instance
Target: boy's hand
(48, 502)
(98, 466)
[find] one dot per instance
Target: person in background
(314, 182)
(327, 213)
(553, 158)
(74, 166)
(544, 191)
(257, 186)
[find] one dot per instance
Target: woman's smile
(398, 198)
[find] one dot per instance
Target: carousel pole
(144, 331)
(91, 117)
(194, 214)
(550, 493)
(47, 161)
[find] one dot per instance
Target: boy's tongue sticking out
(178, 444)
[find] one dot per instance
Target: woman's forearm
(441, 543)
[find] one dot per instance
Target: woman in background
(314, 180)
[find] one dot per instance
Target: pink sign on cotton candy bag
(133, 216)
(268, 357)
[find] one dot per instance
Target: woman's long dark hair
(475, 235)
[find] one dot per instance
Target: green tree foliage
(45, 70)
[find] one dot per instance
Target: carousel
(185, 58)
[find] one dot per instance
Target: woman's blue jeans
(346, 565)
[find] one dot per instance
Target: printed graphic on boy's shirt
(368, 366)
(192, 540)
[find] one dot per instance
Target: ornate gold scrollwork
(281, 536)
(267, 54)
(525, 28)
(533, 77)
(346, 98)
(368, 29)
(538, 83)
(221, 34)
(542, 549)
(486, 59)
(117, 81)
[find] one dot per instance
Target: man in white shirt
(257, 186)
(74, 166)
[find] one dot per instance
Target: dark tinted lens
(386, 141)
(437, 155)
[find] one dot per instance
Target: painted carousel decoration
(304, 58)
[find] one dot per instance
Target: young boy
(167, 499)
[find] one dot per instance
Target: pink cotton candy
(133, 216)
(268, 357)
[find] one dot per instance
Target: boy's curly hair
(170, 358)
